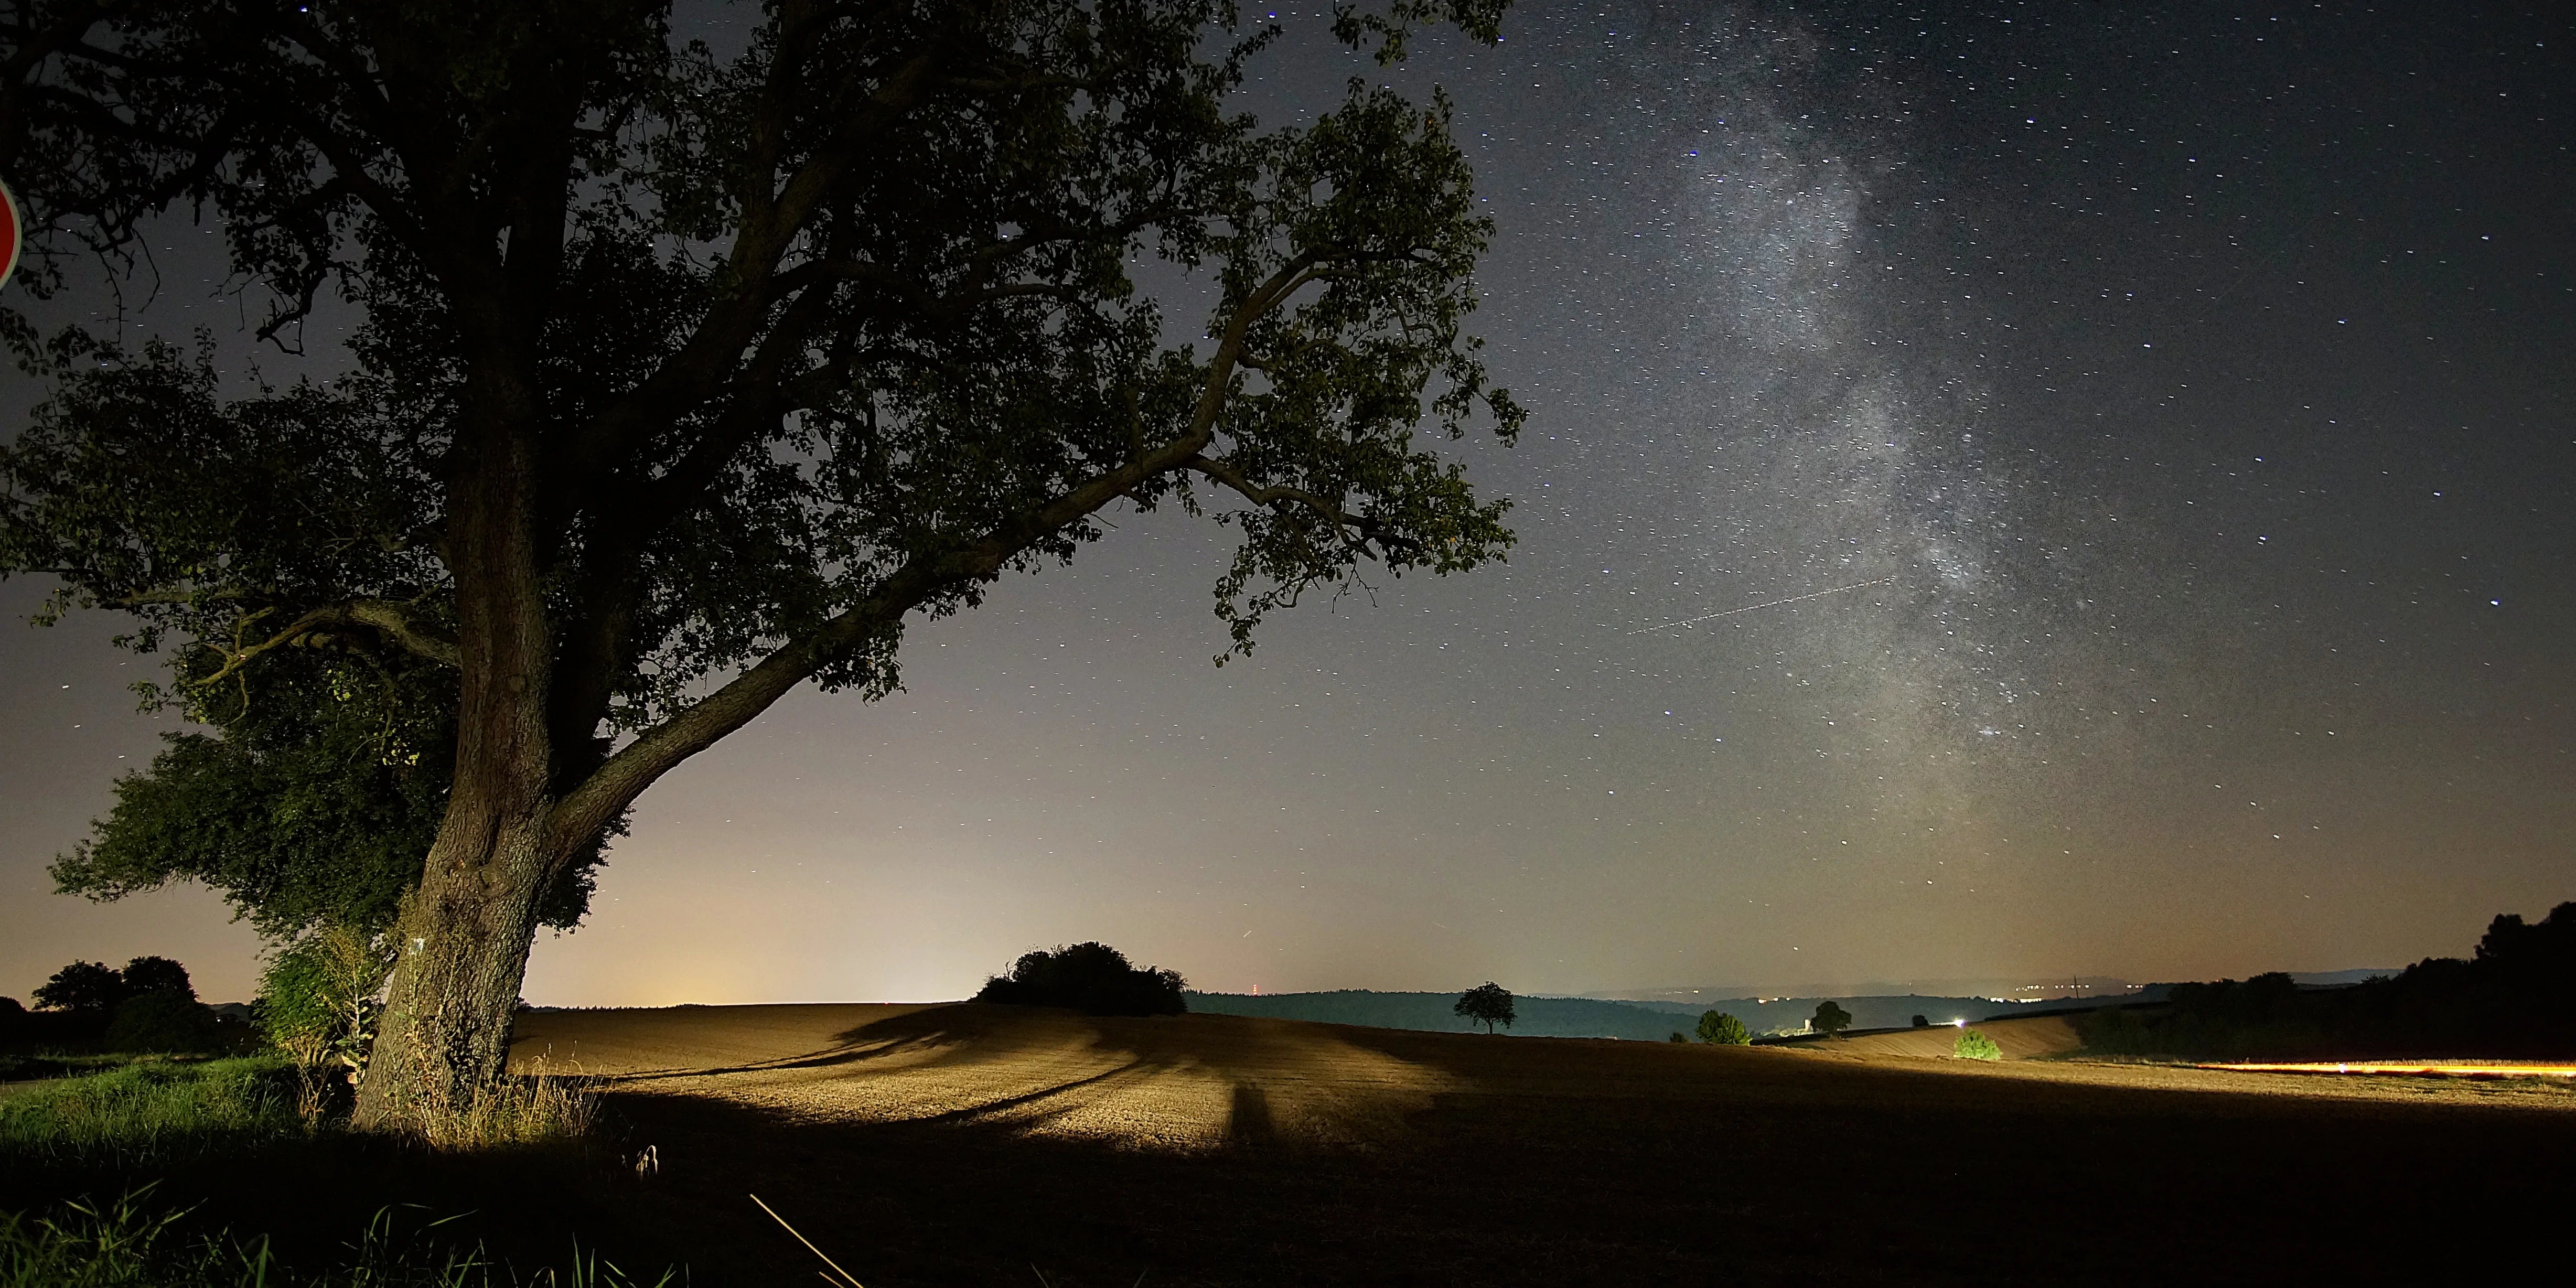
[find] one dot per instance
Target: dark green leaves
(730, 367)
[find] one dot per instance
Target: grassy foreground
(128, 1244)
(200, 1149)
(153, 1112)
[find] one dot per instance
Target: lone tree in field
(1718, 1028)
(1488, 1003)
(679, 382)
(1830, 1019)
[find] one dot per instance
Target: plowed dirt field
(973, 1144)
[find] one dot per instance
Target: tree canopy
(1488, 1003)
(307, 800)
(94, 988)
(680, 380)
(1830, 1018)
(1721, 1029)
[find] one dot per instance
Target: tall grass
(152, 1112)
(532, 1110)
(164, 1111)
(127, 1245)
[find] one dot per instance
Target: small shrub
(1677, 1036)
(319, 1003)
(1973, 1045)
(1718, 1028)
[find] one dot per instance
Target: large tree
(679, 381)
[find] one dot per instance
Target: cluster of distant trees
(2516, 997)
(149, 1005)
(1089, 977)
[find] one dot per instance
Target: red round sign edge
(13, 233)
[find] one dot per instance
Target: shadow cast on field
(1167, 1083)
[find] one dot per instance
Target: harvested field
(968, 1144)
(2040, 1035)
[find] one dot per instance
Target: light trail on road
(2412, 1068)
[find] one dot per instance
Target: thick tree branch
(387, 618)
(772, 219)
(582, 812)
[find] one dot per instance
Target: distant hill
(1790, 1014)
(1541, 1017)
(1997, 988)
(1583, 1017)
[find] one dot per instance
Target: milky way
(2176, 405)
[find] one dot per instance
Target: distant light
(1958, 1024)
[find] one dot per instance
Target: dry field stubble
(967, 1144)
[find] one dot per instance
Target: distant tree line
(2515, 998)
(149, 1006)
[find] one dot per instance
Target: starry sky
(2013, 490)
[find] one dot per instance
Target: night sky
(2120, 461)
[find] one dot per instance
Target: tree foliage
(1090, 977)
(157, 975)
(1488, 1004)
(1721, 1029)
(1830, 1018)
(1971, 1044)
(309, 804)
(87, 988)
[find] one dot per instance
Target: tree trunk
(465, 931)
(445, 1032)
